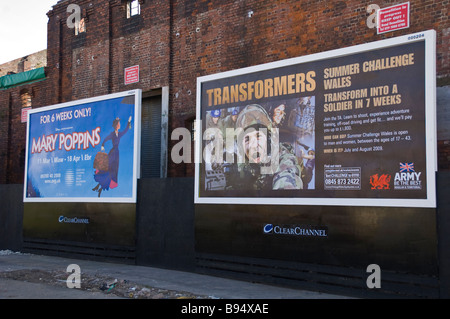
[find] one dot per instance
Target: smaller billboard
(84, 151)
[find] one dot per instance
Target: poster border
(136, 145)
(429, 37)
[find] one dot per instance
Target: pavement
(30, 276)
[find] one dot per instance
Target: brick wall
(13, 130)
(176, 41)
(216, 36)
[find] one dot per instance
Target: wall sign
(393, 18)
(132, 74)
(24, 115)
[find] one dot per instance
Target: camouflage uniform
(228, 121)
(210, 122)
(214, 174)
(290, 170)
(287, 174)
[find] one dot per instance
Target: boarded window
(25, 99)
(80, 27)
(151, 137)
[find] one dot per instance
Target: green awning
(9, 81)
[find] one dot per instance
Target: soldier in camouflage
(257, 148)
(290, 171)
(230, 120)
(214, 120)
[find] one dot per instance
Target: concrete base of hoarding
(166, 238)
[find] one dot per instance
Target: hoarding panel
(84, 151)
(354, 126)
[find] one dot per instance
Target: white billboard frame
(429, 37)
(137, 93)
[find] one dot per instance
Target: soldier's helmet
(215, 113)
(253, 115)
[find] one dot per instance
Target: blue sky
(23, 27)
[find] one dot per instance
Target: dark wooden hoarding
(82, 165)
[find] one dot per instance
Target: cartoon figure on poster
(282, 130)
(107, 165)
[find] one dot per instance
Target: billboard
(354, 127)
(84, 151)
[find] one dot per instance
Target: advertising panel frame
(429, 39)
(136, 119)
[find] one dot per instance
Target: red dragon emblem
(380, 182)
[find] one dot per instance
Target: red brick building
(174, 42)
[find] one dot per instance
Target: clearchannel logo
(268, 228)
(73, 220)
(296, 230)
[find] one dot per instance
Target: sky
(23, 27)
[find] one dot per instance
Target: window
(133, 8)
(26, 99)
(81, 27)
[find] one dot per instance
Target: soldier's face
(215, 120)
(255, 146)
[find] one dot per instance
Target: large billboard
(84, 151)
(354, 127)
